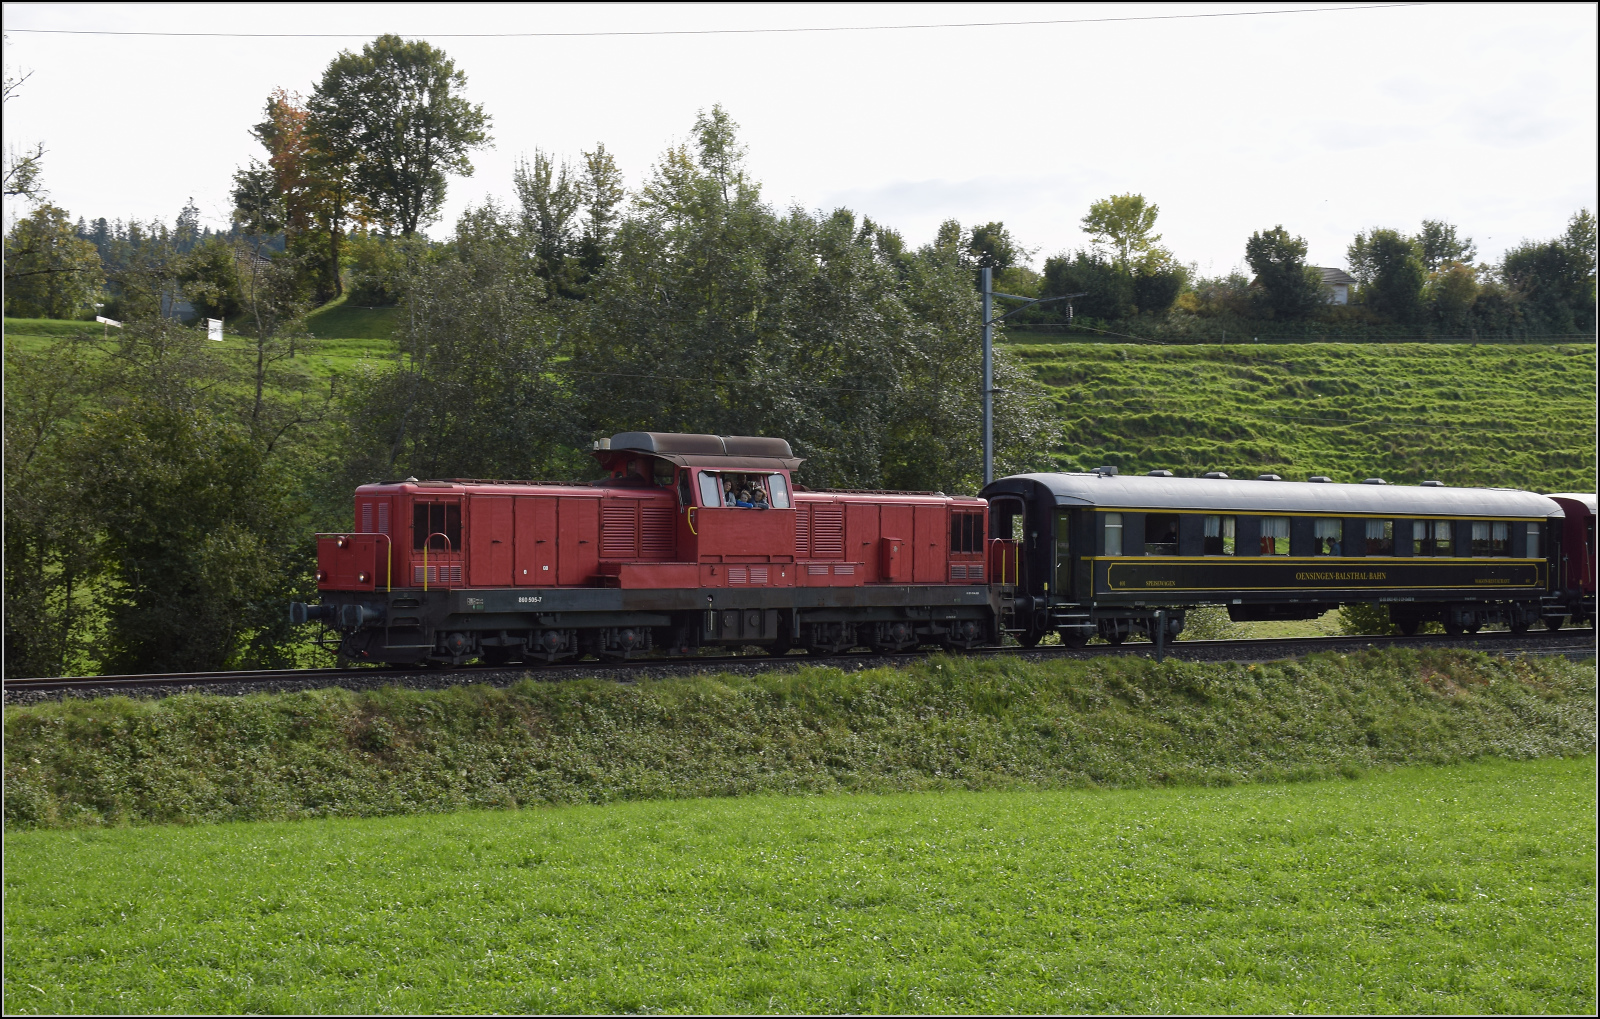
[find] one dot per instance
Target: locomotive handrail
(425, 543)
(689, 515)
(389, 573)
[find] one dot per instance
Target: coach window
(710, 489)
(1274, 535)
(1161, 534)
(1490, 538)
(1380, 537)
(1219, 535)
(1430, 537)
(1533, 541)
(1327, 536)
(439, 520)
(1113, 534)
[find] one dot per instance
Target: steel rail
(1573, 641)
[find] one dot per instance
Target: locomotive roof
(688, 449)
(1238, 495)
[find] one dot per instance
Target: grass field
(338, 320)
(1463, 889)
(1506, 415)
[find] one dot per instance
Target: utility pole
(989, 321)
(988, 374)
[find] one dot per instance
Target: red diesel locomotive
(690, 541)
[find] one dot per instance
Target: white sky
(1327, 122)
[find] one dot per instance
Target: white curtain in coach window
(1274, 527)
(1325, 528)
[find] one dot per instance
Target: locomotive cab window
(1274, 535)
(743, 490)
(1327, 536)
(438, 524)
(1490, 538)
(1220, 534)
(1161, 534)
(1430, 537)
(1380, 537)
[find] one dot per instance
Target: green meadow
(1507, 415)
(1462, 889)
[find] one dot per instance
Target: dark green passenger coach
(1103, 553)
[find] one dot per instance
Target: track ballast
(1572, 642)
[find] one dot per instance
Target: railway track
(1572, 642)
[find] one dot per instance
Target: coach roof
(1224, 495)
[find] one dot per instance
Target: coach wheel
(1553, 623)
(1519, 626)
(1408, 627)
(1073, 638)
(1029, 638)
(1453, 628)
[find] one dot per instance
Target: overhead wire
(616, 33)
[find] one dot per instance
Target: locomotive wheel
(1520, 626)
(1553, 624)
(1473, 627)
(1029, 638)
(1074, 639)
(1115, 636)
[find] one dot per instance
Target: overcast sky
(1329, 121)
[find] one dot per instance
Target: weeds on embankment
(946, 723)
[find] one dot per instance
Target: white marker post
(108, 323)
(214, 329)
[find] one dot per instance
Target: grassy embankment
(947, 723)
(1466, 889)
(1505, 415)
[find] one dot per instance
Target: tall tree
(1122, 225)
(1555, 280)
(1286, 288)
(400, 105)
(550, 196)
(1391, 273)
(50, 272)
(1440, 244)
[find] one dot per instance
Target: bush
(377, 270)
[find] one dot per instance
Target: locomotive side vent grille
(436, 575)
(738, 575)
(827, 532)
(802, 532)
(619, 530)
(659, 533)
(818, 569)
(975, 572)
(366, 518)
(383, 517)
(845, 570)
(958, 572)
(758, 574)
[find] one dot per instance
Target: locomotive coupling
(300, 612)
(347, 617)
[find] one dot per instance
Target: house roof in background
(1331, 277)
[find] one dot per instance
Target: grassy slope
(330, 354)
(1504, 415)
(945, 723)
(1444, 890)
(338, 320)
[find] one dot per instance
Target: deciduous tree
(1285, 287)
(397, 108)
